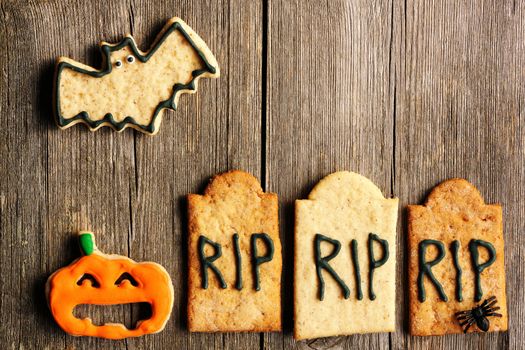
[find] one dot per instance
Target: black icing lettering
(454, 249)
(478, 268)
(238, 262)
(322, 263)
(258, 260)
(373, 263)
(207, 261)
(425, 268)
(357, 270)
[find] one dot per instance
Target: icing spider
(479, 315)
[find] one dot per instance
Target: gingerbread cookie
(102, 279)
(235, 258)
(456, 262)
(344, 275)
(133, 87)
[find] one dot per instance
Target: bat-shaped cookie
(133, 87)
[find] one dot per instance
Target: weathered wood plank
(459, 113)
(23, 188)
(212, 131)
(87, 176)
(407, 93)
(329, 108)
(128, 188)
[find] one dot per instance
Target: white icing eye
(118, 63)
(130, 59)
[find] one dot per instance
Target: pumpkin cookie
(344, 275)
(133, 87)
(234, 257)
(102, 279)
(456, 263)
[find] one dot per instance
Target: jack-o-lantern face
(101, 279)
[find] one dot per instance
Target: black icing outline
(106, 50)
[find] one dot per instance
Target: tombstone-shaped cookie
(234, 257)
(345, 235)
(456, 263)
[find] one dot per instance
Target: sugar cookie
(102, 279)
(456, 262)
(234, 257)
(344, 275)
(133, 87)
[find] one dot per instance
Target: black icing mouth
(126, 314)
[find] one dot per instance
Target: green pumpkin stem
(87, 243)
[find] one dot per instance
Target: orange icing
(154, 287)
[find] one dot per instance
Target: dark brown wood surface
(406, 92)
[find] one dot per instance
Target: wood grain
(407, 93)
(129, 188)
(459, 87)
(213, 131)
(329, 108)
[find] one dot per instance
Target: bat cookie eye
(130, 59)
(118, 63)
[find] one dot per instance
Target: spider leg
(495, 314)
(462, 323)
(488, 305)
(487, 301)
(491, 309)
(466, 319)
(463, 313)
(470, 323)
(466, 316)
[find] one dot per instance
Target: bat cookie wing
(133, 87)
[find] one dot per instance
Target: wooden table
(406, 92)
